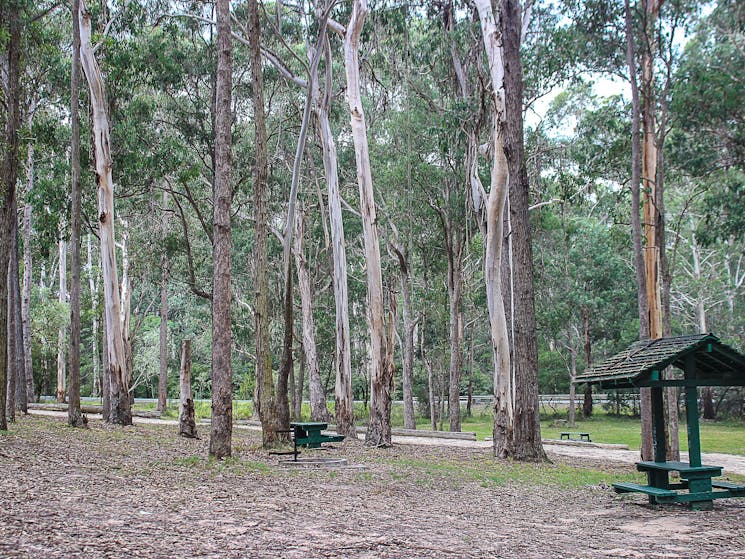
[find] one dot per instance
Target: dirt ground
(143, 492)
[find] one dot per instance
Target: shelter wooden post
(658, 478)
(694, 437)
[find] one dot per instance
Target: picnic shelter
(686, 362)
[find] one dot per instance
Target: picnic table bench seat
(660, 494)
(572, 436)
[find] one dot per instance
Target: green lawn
(726, 437)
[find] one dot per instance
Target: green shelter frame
(704, 361)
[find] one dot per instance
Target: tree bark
(187, 426)
(503, 389)
(93, 286)
(527, 431)
(21, 400)
(74, 416)
(645, 398)
(381, 378)
(27, 279)
(119, 376)
(11, 24)
(318, 409)
(266, 401)
(587, 403)
(343, 396)
(10, 349)
(163, 371)
(222, 374)
(61, 391)
(407, 375)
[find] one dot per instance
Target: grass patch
(491, 473)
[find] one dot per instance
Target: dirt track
(143, 492)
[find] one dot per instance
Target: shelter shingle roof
(716, 364)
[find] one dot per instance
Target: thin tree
(74, 416)
(222, 374)
(11, 25)
(266, 401)
(163, 370)
(119, 376)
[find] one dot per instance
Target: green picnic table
(704, 361)
(309, 434)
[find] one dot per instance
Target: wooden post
(187, 427)
(694, 439)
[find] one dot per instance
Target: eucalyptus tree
(222, 373)
(121, 411)
(11, 24)
(74, 416)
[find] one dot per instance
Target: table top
(309, 424)
(674, 466)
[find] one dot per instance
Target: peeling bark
(119, 378)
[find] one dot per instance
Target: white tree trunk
(381, 377)
(344, 398)
(503, 392)
(121, 412)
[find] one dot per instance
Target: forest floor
(143, 492)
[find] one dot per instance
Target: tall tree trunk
(27, 279)
(407, 376)
(74, 415)
(318, 409)
(11, 24)
(222, 373)
(456, 353)
(93, 286)
(163, 371)
(21, 399)
(61, 391)
(120, 403)
(187, 426)
(645, 400)
(587, 403)
(106, 374)
(10, 349)
(343, 396)
(125, 317)
(379, 426)
(264, 380)
(527, 430)
(652, 214)
(299, 386)
(503, 389)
